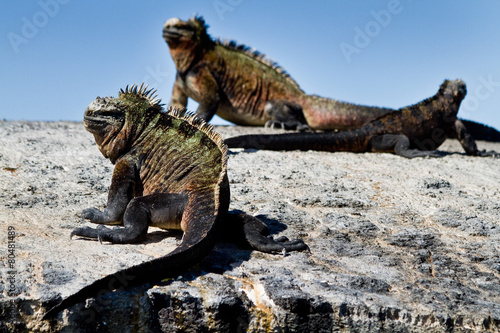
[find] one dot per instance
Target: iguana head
(117, 122)
(186, 39)
(454, 92)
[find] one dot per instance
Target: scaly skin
(244, 87)
(413, 131)
(170, 172)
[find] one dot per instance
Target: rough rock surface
(397, 245)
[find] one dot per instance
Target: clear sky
(58, 55)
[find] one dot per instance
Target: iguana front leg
(179, 97)
(205, 90)
(468, 142)
(163, 210)
(120, 193)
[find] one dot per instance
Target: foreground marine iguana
(244, 87)
(170, 172)
(413, 131)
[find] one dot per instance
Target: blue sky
(58, 55)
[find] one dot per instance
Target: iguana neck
(444, 104)
(185, 57)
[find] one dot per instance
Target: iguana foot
(286, 115)
(491, 153)
(255, 234)
(86, 232)
(287, 245)
(90, 213)
(102, 234)
(267, 244)
(89, 232)
(95, 215)
(289, 125)
(412, 153)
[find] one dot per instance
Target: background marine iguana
(170, 172)
(413, 131)
(244, 87)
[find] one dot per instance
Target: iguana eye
(109, 114)
(186, 27)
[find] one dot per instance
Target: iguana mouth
(96, 123)
(172, 33)
(175, 29)
(462, 90)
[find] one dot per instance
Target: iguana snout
(104, 118)
(175, 30)
(455, 87)
(102, 114)
(460, 89)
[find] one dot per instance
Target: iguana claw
(491, 153)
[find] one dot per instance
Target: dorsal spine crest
(143, 92)
(257, 55)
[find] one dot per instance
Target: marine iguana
(170, 172)
(245, 87)
(413, 131)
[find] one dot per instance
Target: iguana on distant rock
(170, 172)
(244, 87)
(413, 131)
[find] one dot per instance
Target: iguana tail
(353, 141)
(329, 114)
(196, 244)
